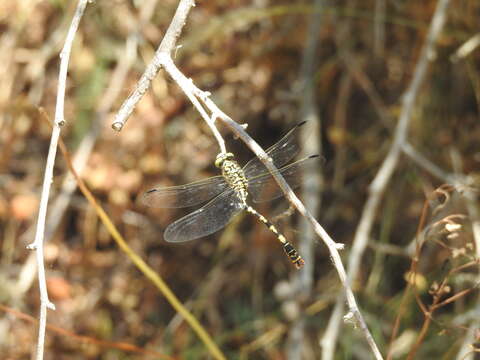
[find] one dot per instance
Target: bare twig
(426, 164)
(166, 47)
(384, 174)
(195, 96)
(332, 246)
(466, 48)
(381, 180)
(163, 59)
(48, 177)
(201, 100)
(329, 338)
(82, 154)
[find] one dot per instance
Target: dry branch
(48, 177)
(380, 182)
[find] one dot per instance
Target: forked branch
(210, 113)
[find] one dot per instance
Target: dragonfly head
(221, 158)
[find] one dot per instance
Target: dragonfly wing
(185, 195)
(206, 220)
(264, 187)
(281, 153)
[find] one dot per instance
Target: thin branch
(194, 95)
(329, 338)
(167, 46)
(466, 49)
(426, 164)
(82, 154)
(48, 177)
(332, 246)
(381, 180)
(385, 173)
(88, 142)
(201, 100)
(197, 97)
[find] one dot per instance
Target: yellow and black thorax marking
(233, 174)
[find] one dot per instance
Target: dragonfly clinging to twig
(230, 192)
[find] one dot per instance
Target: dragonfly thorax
(233, 174)
(222, 157)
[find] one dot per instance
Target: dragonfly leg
(289, 249)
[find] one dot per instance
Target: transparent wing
(264, 187)
(206, 220)
(281, 152)
(185, 195)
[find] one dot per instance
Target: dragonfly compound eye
(221, 158)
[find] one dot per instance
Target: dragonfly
(228, 194)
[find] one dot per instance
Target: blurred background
(251, 56)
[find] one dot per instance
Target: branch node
(117, 126)
(163, 57)
(203, 95)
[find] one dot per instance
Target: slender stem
(195, 96)
(210, 112)
(166, 47)
(385, 173)
(48, 178)
(202, 101)
(381, 180)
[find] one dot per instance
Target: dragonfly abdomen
(289, 249)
